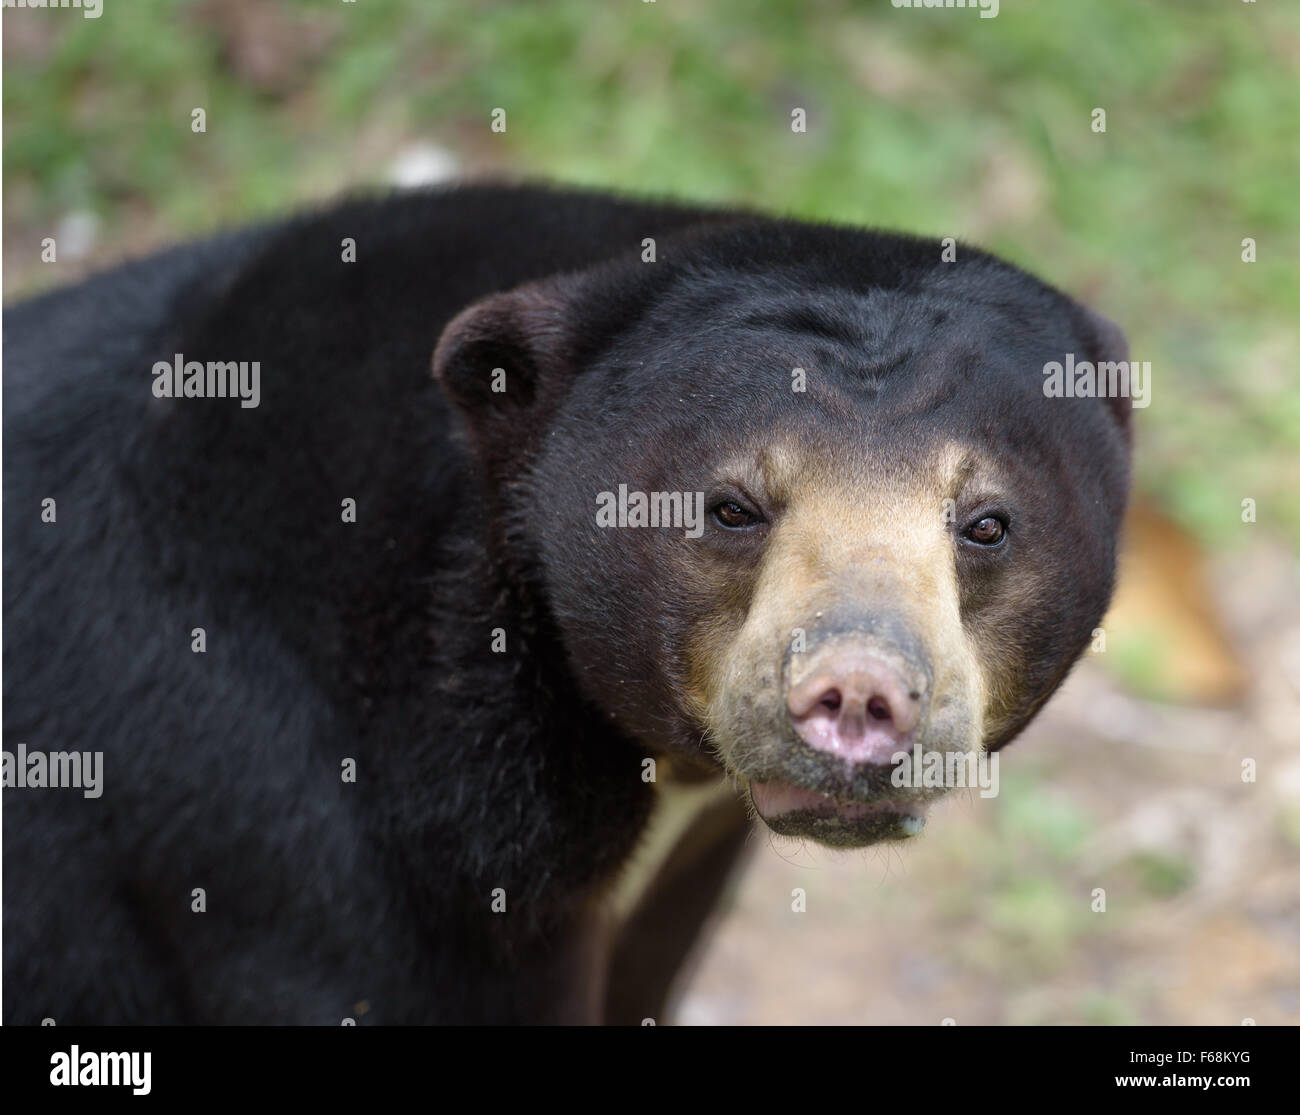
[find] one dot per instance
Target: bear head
(798, 503)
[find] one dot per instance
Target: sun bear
(447, 582)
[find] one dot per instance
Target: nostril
(849, 701)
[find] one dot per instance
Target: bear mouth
(792, 810)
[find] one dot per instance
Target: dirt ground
(988, 917)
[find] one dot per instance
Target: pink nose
(851, 702)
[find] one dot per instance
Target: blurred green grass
(936, 122)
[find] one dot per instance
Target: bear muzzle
(855, 700)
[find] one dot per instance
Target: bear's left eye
(988, 531)
(733, 516)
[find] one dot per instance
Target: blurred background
(932, 121)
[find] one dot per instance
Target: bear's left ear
(505, 360)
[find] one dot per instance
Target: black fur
(328, 640)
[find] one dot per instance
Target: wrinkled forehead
(860, 356)
(872, 389)
(777, 428)
(864, 331)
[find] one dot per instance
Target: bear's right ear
(505, 361)
(1106, 342)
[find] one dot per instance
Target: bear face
(883, 535)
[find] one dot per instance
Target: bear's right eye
(734, 517)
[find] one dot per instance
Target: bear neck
(562, 785)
